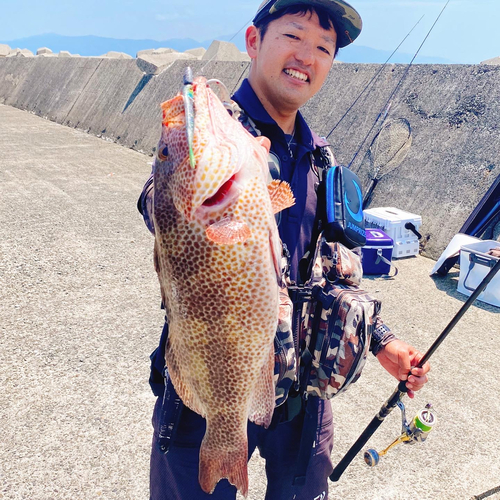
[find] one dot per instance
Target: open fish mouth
(226, 196)
(221, 194)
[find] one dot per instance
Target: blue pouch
(344, 208)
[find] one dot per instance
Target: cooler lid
(378, 237)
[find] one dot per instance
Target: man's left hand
(399, 358)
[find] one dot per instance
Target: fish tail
(218, 461)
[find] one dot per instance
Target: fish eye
(163, 153)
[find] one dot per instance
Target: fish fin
(264, 142)
(263, 400)
(222, 460)
(228, 231)
(281, 195)
(156, 259)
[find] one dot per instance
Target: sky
(468, 31)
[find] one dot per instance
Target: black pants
(174, 476)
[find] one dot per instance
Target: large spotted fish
(218, 254)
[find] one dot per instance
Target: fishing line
(373, 78)
(385, 109)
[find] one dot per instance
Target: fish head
(225, 154)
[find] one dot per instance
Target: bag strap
(321, 159)
(380, 257)
(309, 429)
(248, 123)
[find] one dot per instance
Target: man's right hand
(495, 252)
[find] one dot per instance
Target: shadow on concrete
(449, 284)
(140, 86)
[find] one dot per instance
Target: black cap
(347, 18)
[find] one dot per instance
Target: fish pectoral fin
(183, 387)
(281, 195)
(228, 231)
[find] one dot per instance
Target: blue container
(377, 253)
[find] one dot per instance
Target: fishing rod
(377, 74)
(387, 105)
(395, 398)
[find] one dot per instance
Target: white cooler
(475, 264)
(393, 222)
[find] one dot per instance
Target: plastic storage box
(401, 226)
(378, 244)
(475, 264)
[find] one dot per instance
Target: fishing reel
(415, 432)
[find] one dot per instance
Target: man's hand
(495, 252)
(398, 358)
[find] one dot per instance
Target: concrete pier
(79, 308)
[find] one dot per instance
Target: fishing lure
(188, 96)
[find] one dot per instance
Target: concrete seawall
(454, 113)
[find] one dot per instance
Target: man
(292, 44)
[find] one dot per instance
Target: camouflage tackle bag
(337, 322)
(285, 359)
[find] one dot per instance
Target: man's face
(292, 61)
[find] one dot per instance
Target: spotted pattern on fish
(217, 254)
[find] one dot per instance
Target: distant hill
(359, 53)
(96, 46)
